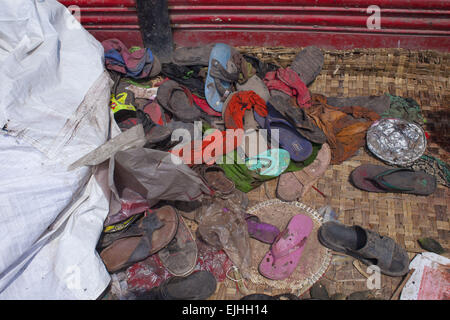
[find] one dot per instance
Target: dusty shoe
(367, 246)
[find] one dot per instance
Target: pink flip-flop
(284, 255)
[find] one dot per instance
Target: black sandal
(367, 246)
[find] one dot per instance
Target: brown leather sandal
(150, 234)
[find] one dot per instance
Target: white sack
(51, 218)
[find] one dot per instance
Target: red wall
(330, 24)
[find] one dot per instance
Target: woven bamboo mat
(423, 76)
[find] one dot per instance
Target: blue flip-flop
(271, 162)
(221, 53)
(289, 138)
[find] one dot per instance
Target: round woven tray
(315, 258)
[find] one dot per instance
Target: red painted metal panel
(106, 19)
(100, 3)
(334, 24)
(408, 4)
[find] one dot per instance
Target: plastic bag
(154, 176)
(221, 224)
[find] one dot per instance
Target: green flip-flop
(271, 162)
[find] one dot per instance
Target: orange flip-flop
(209, 149)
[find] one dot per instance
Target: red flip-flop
(209, 149)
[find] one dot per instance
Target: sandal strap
(144, 225)
(219, 72)
(163, 113)
(277, 120)
(253, 217)
(276, 254)
(224, 93)
(259, 165)
(145, 119)
(182, 89)
(268, 125)
(379, 180)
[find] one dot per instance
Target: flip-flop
(374, 178)
(122, 225)
(215, 178)
(203, 105)
(250, 126)
(154, 133)
(122, 105)
(180, 255)
(197, 286)
(156, 113)
(365, 245)
(147, 236)
(190, 56)
(257, 85)
(254, 142)
(288, 137)
(319, 292)
(283, 108)
(178, 100)
(190, 77)
(216, 89)
(244, 178)
(207, 151)
(294, 185)
(272, 162)
(308, 63)
(264, 232)
(284, 254)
